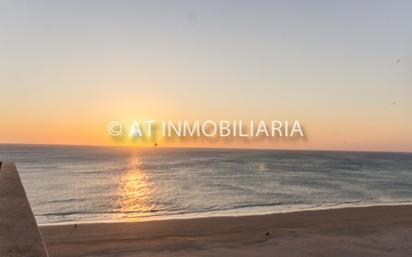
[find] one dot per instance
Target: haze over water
(83, 184)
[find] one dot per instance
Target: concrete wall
(19, 234)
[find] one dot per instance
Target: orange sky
(347, 80)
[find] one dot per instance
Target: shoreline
(354, 231)
(228, 213)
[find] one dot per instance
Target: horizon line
(206, 147)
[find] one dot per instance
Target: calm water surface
(83, 184)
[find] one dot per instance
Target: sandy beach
(361, 231)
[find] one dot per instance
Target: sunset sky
(343, 69)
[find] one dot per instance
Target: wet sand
(361, 231)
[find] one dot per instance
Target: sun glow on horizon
(347, 80)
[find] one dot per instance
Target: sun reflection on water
(134, 197)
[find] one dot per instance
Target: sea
(77, 184)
